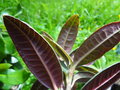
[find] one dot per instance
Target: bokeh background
(49, 16)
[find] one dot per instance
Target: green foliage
(13, 77)
(4, 66)
(49, 16)
(2, 48)
(43, 56)
(11, 69)
(40, 15)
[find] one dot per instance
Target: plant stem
(69, 78)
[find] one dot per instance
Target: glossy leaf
(87, 69)
(14, 77)
(36, 52)
(4, 66)
(104, 79)
(68, 33)
(60, 51)
(38, 86)
(98, 43)
(82, 77)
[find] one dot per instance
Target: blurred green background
(49, 16)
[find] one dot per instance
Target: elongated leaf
(2, 47)
(98, 43)
(4, 66)
(60, 51)
(46, 34)
(36, 52)
(82, 77)
(13, 77)
(87, 69)
(9, 46)
(37, 86)
(104, 79)
(68, 33)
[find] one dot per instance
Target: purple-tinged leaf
(38, 86)
(60, 51)
(104, 79)
(68, 33)
(98, 44)
(73, 53)
(36, 52)
(74, 87)
(82, 77)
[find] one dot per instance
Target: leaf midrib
(52, 80)
(80, 60)
(107, 80)
(69, 31)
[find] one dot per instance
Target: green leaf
(4, 66)
(87, 69)
(14, 77)
(2, 48)
(28, 83)
(9, 46)
(68, 33)
(118, 50)
(6, 87)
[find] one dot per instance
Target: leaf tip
(5, 16)
(76, 15)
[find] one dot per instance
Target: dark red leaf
(59, 50)
(36, 52)
(73, 53)
(98, 43)
(104, 79)
(38, 86)
(68, 33)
